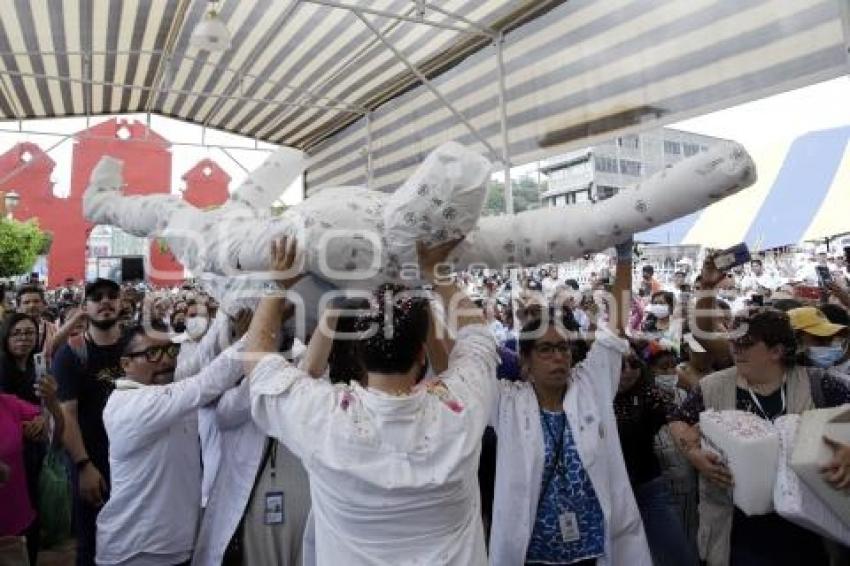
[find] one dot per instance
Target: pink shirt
(16, 513)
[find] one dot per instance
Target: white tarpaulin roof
(589, 69)
(342, 77)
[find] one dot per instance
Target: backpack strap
(816, 376)
(81, 350)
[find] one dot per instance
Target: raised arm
(156, 408)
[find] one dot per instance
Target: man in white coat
(154, 453)
(393, 466)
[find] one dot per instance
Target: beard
(104, 324)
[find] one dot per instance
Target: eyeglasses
(548, 349)
(23, 334)
(98, 296)
(154, 354)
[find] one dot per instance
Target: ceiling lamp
(211, 34)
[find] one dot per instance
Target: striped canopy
(348, 85)
(802, 194)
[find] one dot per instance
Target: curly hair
(773, 327)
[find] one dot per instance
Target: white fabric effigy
(352, 237)
(793, 499)
(749, 445)
(556, 234)
(811, 452)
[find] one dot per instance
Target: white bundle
(793, 499)
(441, 201)
(811, 453)
(749, 445)
(555, 234)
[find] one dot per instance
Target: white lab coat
(152, 513)
(393, 480)
(588, 405)
(242, 442)
(194, 356)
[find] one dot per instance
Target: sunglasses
(154, 354)
(548, 349)
(98, 296)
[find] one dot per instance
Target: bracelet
(82, 464)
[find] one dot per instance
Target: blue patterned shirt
(568, 491)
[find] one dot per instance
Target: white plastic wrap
(750, 447)
(793, 499)
(811, 452)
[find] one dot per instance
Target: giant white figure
(352, 237)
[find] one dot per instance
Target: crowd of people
(505, 418)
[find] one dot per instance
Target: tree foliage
(526, 194)
(20, 245)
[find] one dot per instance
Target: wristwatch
(82, 464)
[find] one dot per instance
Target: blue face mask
(825, 356)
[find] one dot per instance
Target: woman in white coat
(562, 493)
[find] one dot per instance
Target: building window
(604, 192)
(673, 148)
(690, 149)
(629, 167)
(606, 164)
(628, 142)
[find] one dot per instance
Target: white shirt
(154, 454)
(393, 480)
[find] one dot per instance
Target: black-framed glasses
(23, 334)
(98, 296)
(548, 349)
(153, 354)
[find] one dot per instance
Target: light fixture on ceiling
(211, 34)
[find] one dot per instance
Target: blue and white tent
(802, 194)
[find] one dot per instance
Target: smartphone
(735, 256)
(824, 276)
(40, 365)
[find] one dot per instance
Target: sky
(755, 124)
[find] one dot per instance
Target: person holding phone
(765, 380)
(18, 512)
(86, 373)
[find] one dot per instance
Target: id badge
(274, 508)
(569, 527)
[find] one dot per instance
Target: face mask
(658, 311)
(196, 326)
(668, 381)
(824, 356)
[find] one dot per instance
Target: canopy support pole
(503, 116)
(427, 83)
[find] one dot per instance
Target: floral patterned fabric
(568, 491)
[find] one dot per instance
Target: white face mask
(658, 311)
(196, 326)
(668, 381)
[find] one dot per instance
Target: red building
(147, 158)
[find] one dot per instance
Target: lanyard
(557, 459)
(758, 403)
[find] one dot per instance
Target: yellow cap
(812, 321)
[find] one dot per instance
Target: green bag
(54, 500)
